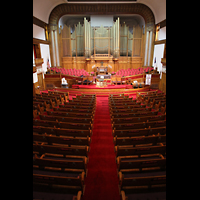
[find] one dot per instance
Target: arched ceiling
(43, 8)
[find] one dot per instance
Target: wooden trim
(160, 42)
(104, 91)
(38, 41)
(39, 22)
(162, 23)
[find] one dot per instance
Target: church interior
(99, 100)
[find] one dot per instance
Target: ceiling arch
(104, 9)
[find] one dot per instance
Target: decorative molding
(39, 22)
(160, 42)
(38, 41)
(162, 23)
(104, 9)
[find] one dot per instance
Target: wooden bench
(141, 166)
(53, 99)
(70, 114)
(78, 107)
(61, 149)
(126, 151)
(67, 140)
(122, 100)
(138, 119)
(45, 101)
(131, 114)
(151, 100)
(141, 94)
(60, 97)
(83, 100)
(130, 110)
(62, 131)
(80, 103)
(126, 107)
(58, 184)
(68, 125)
(139, 132)
(145, 97)
(143, 184)
(111, 104)
(139, 140)
(66, 119)
(74, 110)
(71, 164)
(147, 124)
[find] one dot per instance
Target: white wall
(45, 54)
(162, 33)
(38, 32)
(159, 49)
(158, 53)
(98, 20)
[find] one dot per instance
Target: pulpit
(100, 81)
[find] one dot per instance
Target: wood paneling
(117, 64)
(162, 85)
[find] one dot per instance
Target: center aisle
(102, 180)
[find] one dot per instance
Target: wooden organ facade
(118, 46)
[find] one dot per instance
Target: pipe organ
(119, 46)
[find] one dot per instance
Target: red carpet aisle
(102, 181)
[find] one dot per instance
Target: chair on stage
(114, 80)
(119, 80)
(90, 80)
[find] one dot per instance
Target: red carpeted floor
(102, 180)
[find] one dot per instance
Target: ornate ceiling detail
(104, 9)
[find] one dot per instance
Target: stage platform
(102, 91)
(104, 87)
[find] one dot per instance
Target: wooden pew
(60, 97)
(122, 100)
(153, 95)
(139, 132)
(61, 149)
(128, 151)
(80, 103)
(72, 114)
(140, 166)
(130, 110)
(74, 110)
(126, 107)
(52, 98)
(67, 125)
(66, 140)
(124, 104)
(147, 124)
(66, 119)
(48, 102)
(83, 100)
(137, 119)
(131, 114)
(139, 140)
(71, 164)
(152, 100)
(78, 107)
(62, 131)
(58, 184)
(141, 94)
(63, 94)
(142, 184)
